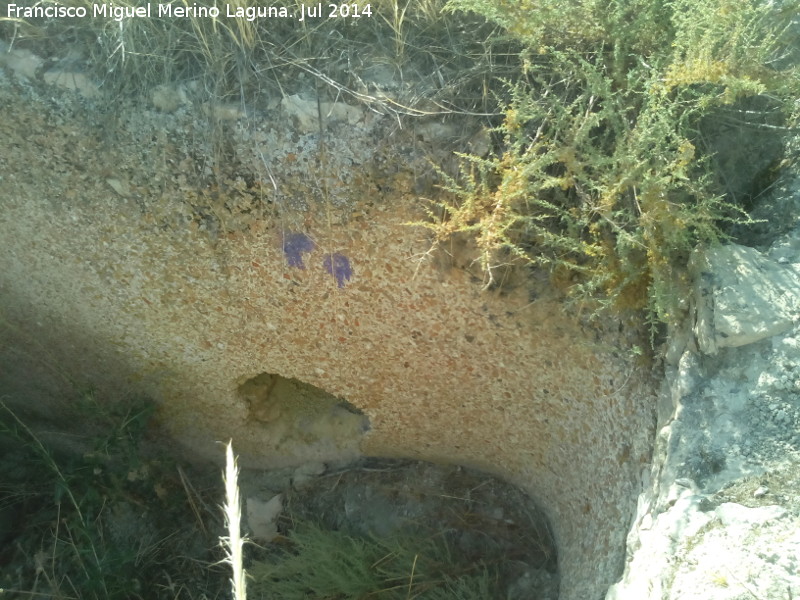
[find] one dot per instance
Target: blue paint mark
(339, 266)
(294, 245)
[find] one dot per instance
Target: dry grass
(439, 63)
(234, 542)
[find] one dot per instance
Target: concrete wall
(118, 271)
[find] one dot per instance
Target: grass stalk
(234, 542)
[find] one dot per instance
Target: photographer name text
(109, 10)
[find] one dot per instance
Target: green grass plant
(324, 563)
(91, 567)
(96, 518)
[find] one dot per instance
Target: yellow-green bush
(599, 168)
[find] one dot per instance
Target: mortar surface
(126, 266)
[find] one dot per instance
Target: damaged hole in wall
(396, 529)
(291, 408)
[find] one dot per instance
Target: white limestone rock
(262, 517)
(741, 297)
(168, 98)
(305, 113)
(721, 519)
(73, 81)
(23, 63)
